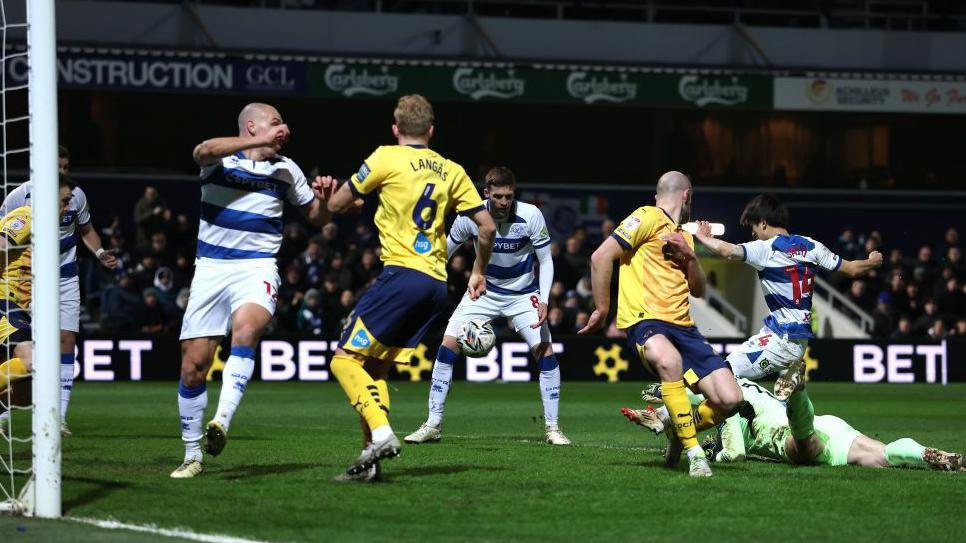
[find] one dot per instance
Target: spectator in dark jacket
(121, 306)
(151, 317)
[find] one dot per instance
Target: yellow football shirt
(651, 287)
(16, 280)
(417, 188)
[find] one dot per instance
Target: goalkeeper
(766, 428)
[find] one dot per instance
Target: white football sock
(66, 383)
(191, 406)
(442, 377)
(234, 379)
(550, 393)
(550, 389)
(381, 433)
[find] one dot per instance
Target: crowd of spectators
(916, 296)
(323, 272)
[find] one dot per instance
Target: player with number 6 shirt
(514, 290)
(416, 188)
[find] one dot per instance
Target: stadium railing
(839, 301)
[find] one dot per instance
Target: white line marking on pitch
(183, 533)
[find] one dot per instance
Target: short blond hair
(413, 115)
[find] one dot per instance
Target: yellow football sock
(679, 409)
(361, 390)
(11, 371)
(706, 416)
(383, 389)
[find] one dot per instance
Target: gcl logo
(259, 76)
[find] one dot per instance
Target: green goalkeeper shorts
(837, 435)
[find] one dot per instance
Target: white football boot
(647, 417)
(425, 434)
(700, 467)
(555, 436)
(188, 469)
(379, 450)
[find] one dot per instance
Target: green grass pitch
(492, 478)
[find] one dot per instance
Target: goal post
(42, 98)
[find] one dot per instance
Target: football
(476, 338)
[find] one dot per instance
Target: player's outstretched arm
(719, 247)
(858, 268)
(601, 271)
(211, 151)
(484, 222)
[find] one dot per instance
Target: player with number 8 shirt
(514, 290)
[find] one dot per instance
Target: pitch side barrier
(581, 359)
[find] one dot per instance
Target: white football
(476, 338)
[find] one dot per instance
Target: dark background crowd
(323, 272)
(913, 296)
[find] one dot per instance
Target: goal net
(30, 375)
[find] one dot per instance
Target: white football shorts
(219, 288)
(765, 353)
(519, 309)
(70, 304)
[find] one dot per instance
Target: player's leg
(248, 323)
(15, 331)
(252, 293)
(543, 353)
(205, 323)
(431, 430)
(522, 311)
(722, 396)
(709, 374)
(68, 341)
(69, 327)
(367, 398)
(905, 452)
(196, 358)
(656, 350)
(486, 308)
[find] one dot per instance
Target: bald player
(658, 270)
(244, 184)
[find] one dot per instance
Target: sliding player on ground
(658, 270)
(513, 291)
(416, 188)
(767, 428)
(77, 218)
(16, 285)
(244, 184)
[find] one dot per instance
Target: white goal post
(42, 58)
(40, 493)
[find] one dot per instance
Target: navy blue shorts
(392, 317)
(697, 357)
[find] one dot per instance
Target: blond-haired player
(416, 188)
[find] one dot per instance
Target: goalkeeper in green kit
(792, 433)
